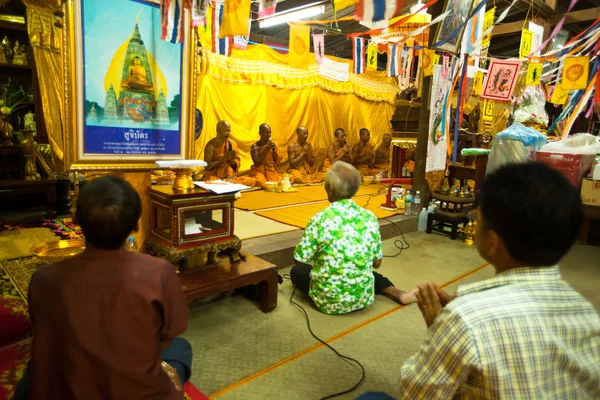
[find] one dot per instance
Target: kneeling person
(266, 158)
(345, 244)
(302, 159)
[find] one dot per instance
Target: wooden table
(22, 187)
(224, 275)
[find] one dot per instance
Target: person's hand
(445, 298)
(429, 302)
(347, 148)
(231, 155)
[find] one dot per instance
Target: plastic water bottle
(408, 203)
(131, 244)
(422, 226)
(230, 180)
(417, 203)
(432, 207)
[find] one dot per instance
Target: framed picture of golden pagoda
(132, 93)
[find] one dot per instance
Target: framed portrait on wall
(131, 93)
(458, 10)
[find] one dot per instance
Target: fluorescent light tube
(292, 16)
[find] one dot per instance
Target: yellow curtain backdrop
(46, 42)
(254, 89)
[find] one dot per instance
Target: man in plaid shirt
(524, 334)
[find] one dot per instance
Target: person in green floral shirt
(344, 244)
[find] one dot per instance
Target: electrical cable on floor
(381, 191)
(400, 244)
(343, 357)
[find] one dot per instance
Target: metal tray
(58, 251)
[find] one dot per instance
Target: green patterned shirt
(343, 241)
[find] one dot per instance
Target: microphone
(272, 144)
(230, 144)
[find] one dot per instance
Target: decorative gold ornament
(183, 179)
(30, 151)
(469, 232)
(574, 72)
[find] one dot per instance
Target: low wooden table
(23, 187)
(223, 275)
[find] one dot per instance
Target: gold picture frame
(77, 157)
(459, 11)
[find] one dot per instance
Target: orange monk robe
(366, 168)
(267, 172)
(327, 162)
(302, 174)
(225, 170)
(383, 166)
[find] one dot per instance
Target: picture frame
(501, 80)
(129, 96)
(459, 11)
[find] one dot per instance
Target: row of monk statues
(306, 165)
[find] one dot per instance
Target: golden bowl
(271, 186)
(59, 250)
(367, 180)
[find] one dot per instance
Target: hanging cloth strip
(557, 28)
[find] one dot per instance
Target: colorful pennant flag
(526, 38)
(199, 9)
(576, 73)
(299, 52)
(339, 5)
(319, 47)
(358, 55)
(377, 10)
(171, 17)
(428, 62)
(219, 46)
(559, 95)
(236, 18)
(534, 73)
(393, 64)
(372, 58)
(478, 83)
(266, 8)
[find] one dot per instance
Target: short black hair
(108, 210)
(338, 132)
(534, 209)
(363, 130)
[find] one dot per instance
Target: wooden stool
(451, 213)
(223, 275)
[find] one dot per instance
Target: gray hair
(343, 180)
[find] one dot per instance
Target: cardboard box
(590, 192)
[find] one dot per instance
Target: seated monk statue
(137, 76)
(362, 155)
(302, 159)
(221, 155)
(339, 150)
(266, 158)
(382, 155)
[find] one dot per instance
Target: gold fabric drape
(46, 41)
(247, 97)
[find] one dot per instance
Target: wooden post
(419, 181)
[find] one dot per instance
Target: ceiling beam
(551, 3)
(539, 7)
(505, 29)
(577, 16)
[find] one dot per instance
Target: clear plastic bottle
(417, 203)
(131, 244)
(408, 203)
(230, 180)
(422, 225)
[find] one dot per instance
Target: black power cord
(349, 360)
(400, 244)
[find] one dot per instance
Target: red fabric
(193, 393)
(14, 320)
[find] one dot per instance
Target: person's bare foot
(400, 296)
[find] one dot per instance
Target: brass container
(469, 232)
(183, 179)
(29, 148)
(58, 250)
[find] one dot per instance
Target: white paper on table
(191, 227)
(220, 187)
(181, 163)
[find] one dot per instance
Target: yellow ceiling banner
(428, 62)
(341, 4)
(236, 17)
(299, 52)
(478, 83)
(372, 58)
(559, 95)
(526, 38)
(576, 73)
(534, 73)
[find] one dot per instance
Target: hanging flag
(319, 47)
(199, 9)
(526, 38)
(534, 73)
(241, 42)
(478, 83)
(445, 66)
(358, 55)
(236, 18)
(171, 17)
(393, 64)
(219, 46)
(377, 10)
(266, 8)
(428, 62)
(559, 95)
(576, 73)
(299, 53)
(372, 58)
(339, 5)
(488, 22)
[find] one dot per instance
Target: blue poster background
(132, 81)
